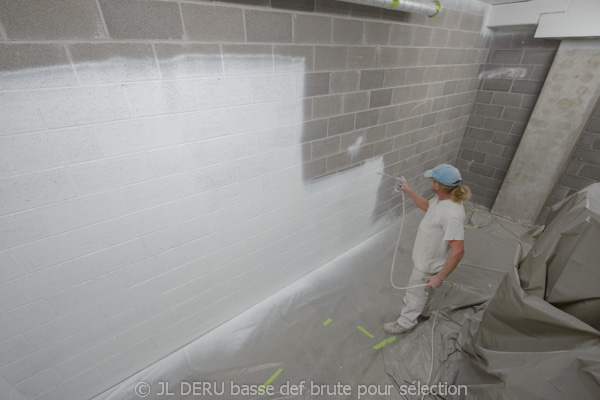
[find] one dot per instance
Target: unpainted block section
(361, 57)
(371, 79)
(344, 81)
(330, 58)
(377, 33)
(212, 23)
(312, 29)
(52, 20)
(272, 27)
(142, 19)
(347, 31)
(315, 84)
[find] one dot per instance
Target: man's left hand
(434, 281)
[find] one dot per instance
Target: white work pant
(416, 300)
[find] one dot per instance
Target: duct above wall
(429, 8)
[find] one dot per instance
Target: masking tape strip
(384, 342)
(327, 322)
(363, 330)
(271, 379)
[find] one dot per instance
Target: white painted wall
(137, 215)
(145, 199)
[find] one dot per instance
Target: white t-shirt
(443, 221)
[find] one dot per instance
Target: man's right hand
(402, 186)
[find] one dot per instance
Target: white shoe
(394, 328)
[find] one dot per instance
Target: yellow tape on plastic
(363, 330)
(438, 7)
(384, 342)
(271, 379)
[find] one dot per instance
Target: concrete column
(567, 100)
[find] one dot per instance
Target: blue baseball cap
(445, 174)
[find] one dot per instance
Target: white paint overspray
(504, 72)
(354, 148)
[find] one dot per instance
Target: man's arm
(456, 254)
(421, 202)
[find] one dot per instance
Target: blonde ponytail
(458, 194)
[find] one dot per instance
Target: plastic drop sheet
(322, 337)
(538, 337)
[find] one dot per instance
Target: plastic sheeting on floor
(322, 336)
(538, 337)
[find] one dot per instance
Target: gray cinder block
(330, 58)
(340, 124)
(371, 79)
(361, 57)
(381, 98)
(312, 29)
(265, 26)
(316, 84)
(213, 23)
(347, 31)
(344, 81)
(358, 101)
(140, 19)
(51, 20)
(377, 33)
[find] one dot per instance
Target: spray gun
(399, 180)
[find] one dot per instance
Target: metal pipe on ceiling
(429, 8)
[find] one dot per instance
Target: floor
(322, 337)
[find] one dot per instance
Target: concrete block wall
(511, 80)
(164, 165)
(584, 167)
